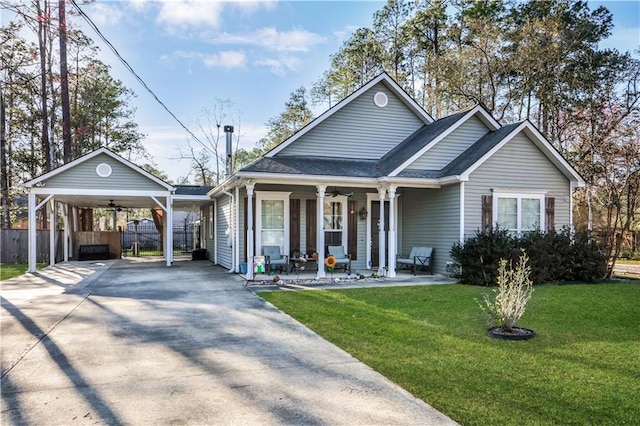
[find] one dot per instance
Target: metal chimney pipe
(229, 131)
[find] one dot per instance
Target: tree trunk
(64, 85)
(46, 147)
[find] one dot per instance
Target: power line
(130, 69)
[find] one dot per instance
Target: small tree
(512, 294)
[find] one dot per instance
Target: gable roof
(460, 168)
(89, 156)
(386, 80)
(451, 122)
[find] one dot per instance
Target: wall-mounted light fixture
(362, 214)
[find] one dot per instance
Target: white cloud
(190, 13)
(105, 14)
(279, 66)
(224, 59)
(344, 33)
(270, 38)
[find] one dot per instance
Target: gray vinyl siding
(84, 176)
(224, 223)
(360, 129)
(451, 146)
(519, 165)
(431, 218)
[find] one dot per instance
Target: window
(334, 221)
(518, 213)
(272, 220)
(272, 229)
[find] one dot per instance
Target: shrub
(480, 256)
(553, 256)
(512, 295)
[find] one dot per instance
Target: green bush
(553, 256)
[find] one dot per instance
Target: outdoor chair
(343, 260)
(274, 259)
(420, 257)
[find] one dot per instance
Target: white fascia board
(64, 167)
(556, 158)
(541, 142)
(190, 198)
(410, 182)
(478, 110)
(485, 117)
(89, 156)
(98, 192)
(486, 156)
(392, 85)
(294, 179)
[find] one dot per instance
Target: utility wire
(128, 67)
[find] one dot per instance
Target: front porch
(308, 280)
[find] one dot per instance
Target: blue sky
(253, 53)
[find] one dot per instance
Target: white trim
(342, 199)
(89, 156)
(519, 196)
(547, 149)
(371, 197)
(484, 116)
(391, 85)
(98, 192)
(278, 196)
(461, 213)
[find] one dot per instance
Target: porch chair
(274, 258)
(420, 257)
(342, 259)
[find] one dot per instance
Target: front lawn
(582, 368)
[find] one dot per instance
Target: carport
(97, 180)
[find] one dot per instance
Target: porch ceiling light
(362, 214)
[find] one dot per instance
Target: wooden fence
(15, 246)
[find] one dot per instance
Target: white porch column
(169, 227)
(320, 230)
(52, 231)
(392, 232)
(381, 239)
(250, 236)
(32, 232)
(65, 223)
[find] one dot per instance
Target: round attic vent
(103, 170)
(380, 99)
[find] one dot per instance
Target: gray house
(377, 175)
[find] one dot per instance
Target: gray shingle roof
(192, 189)
(323, 166)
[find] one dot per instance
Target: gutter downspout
(237, 230)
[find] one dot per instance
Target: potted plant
(509, 300)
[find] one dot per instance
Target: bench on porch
(93, 252)
(420, 257)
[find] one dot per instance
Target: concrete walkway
(121, 342)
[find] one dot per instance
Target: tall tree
(64, 83)
(295, 116)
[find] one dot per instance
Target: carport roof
(102, 177)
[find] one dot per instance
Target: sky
(191, 53)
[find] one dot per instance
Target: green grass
(13, 270)
(583, 367)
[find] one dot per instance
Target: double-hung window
(519, 213)
(334, 221)
(272, 220)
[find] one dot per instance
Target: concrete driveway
(124, 342)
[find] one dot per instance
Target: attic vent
(103, 170)
(380, 99)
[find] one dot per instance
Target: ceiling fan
(336, 192)
(114, 206)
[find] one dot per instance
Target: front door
(375, 231)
